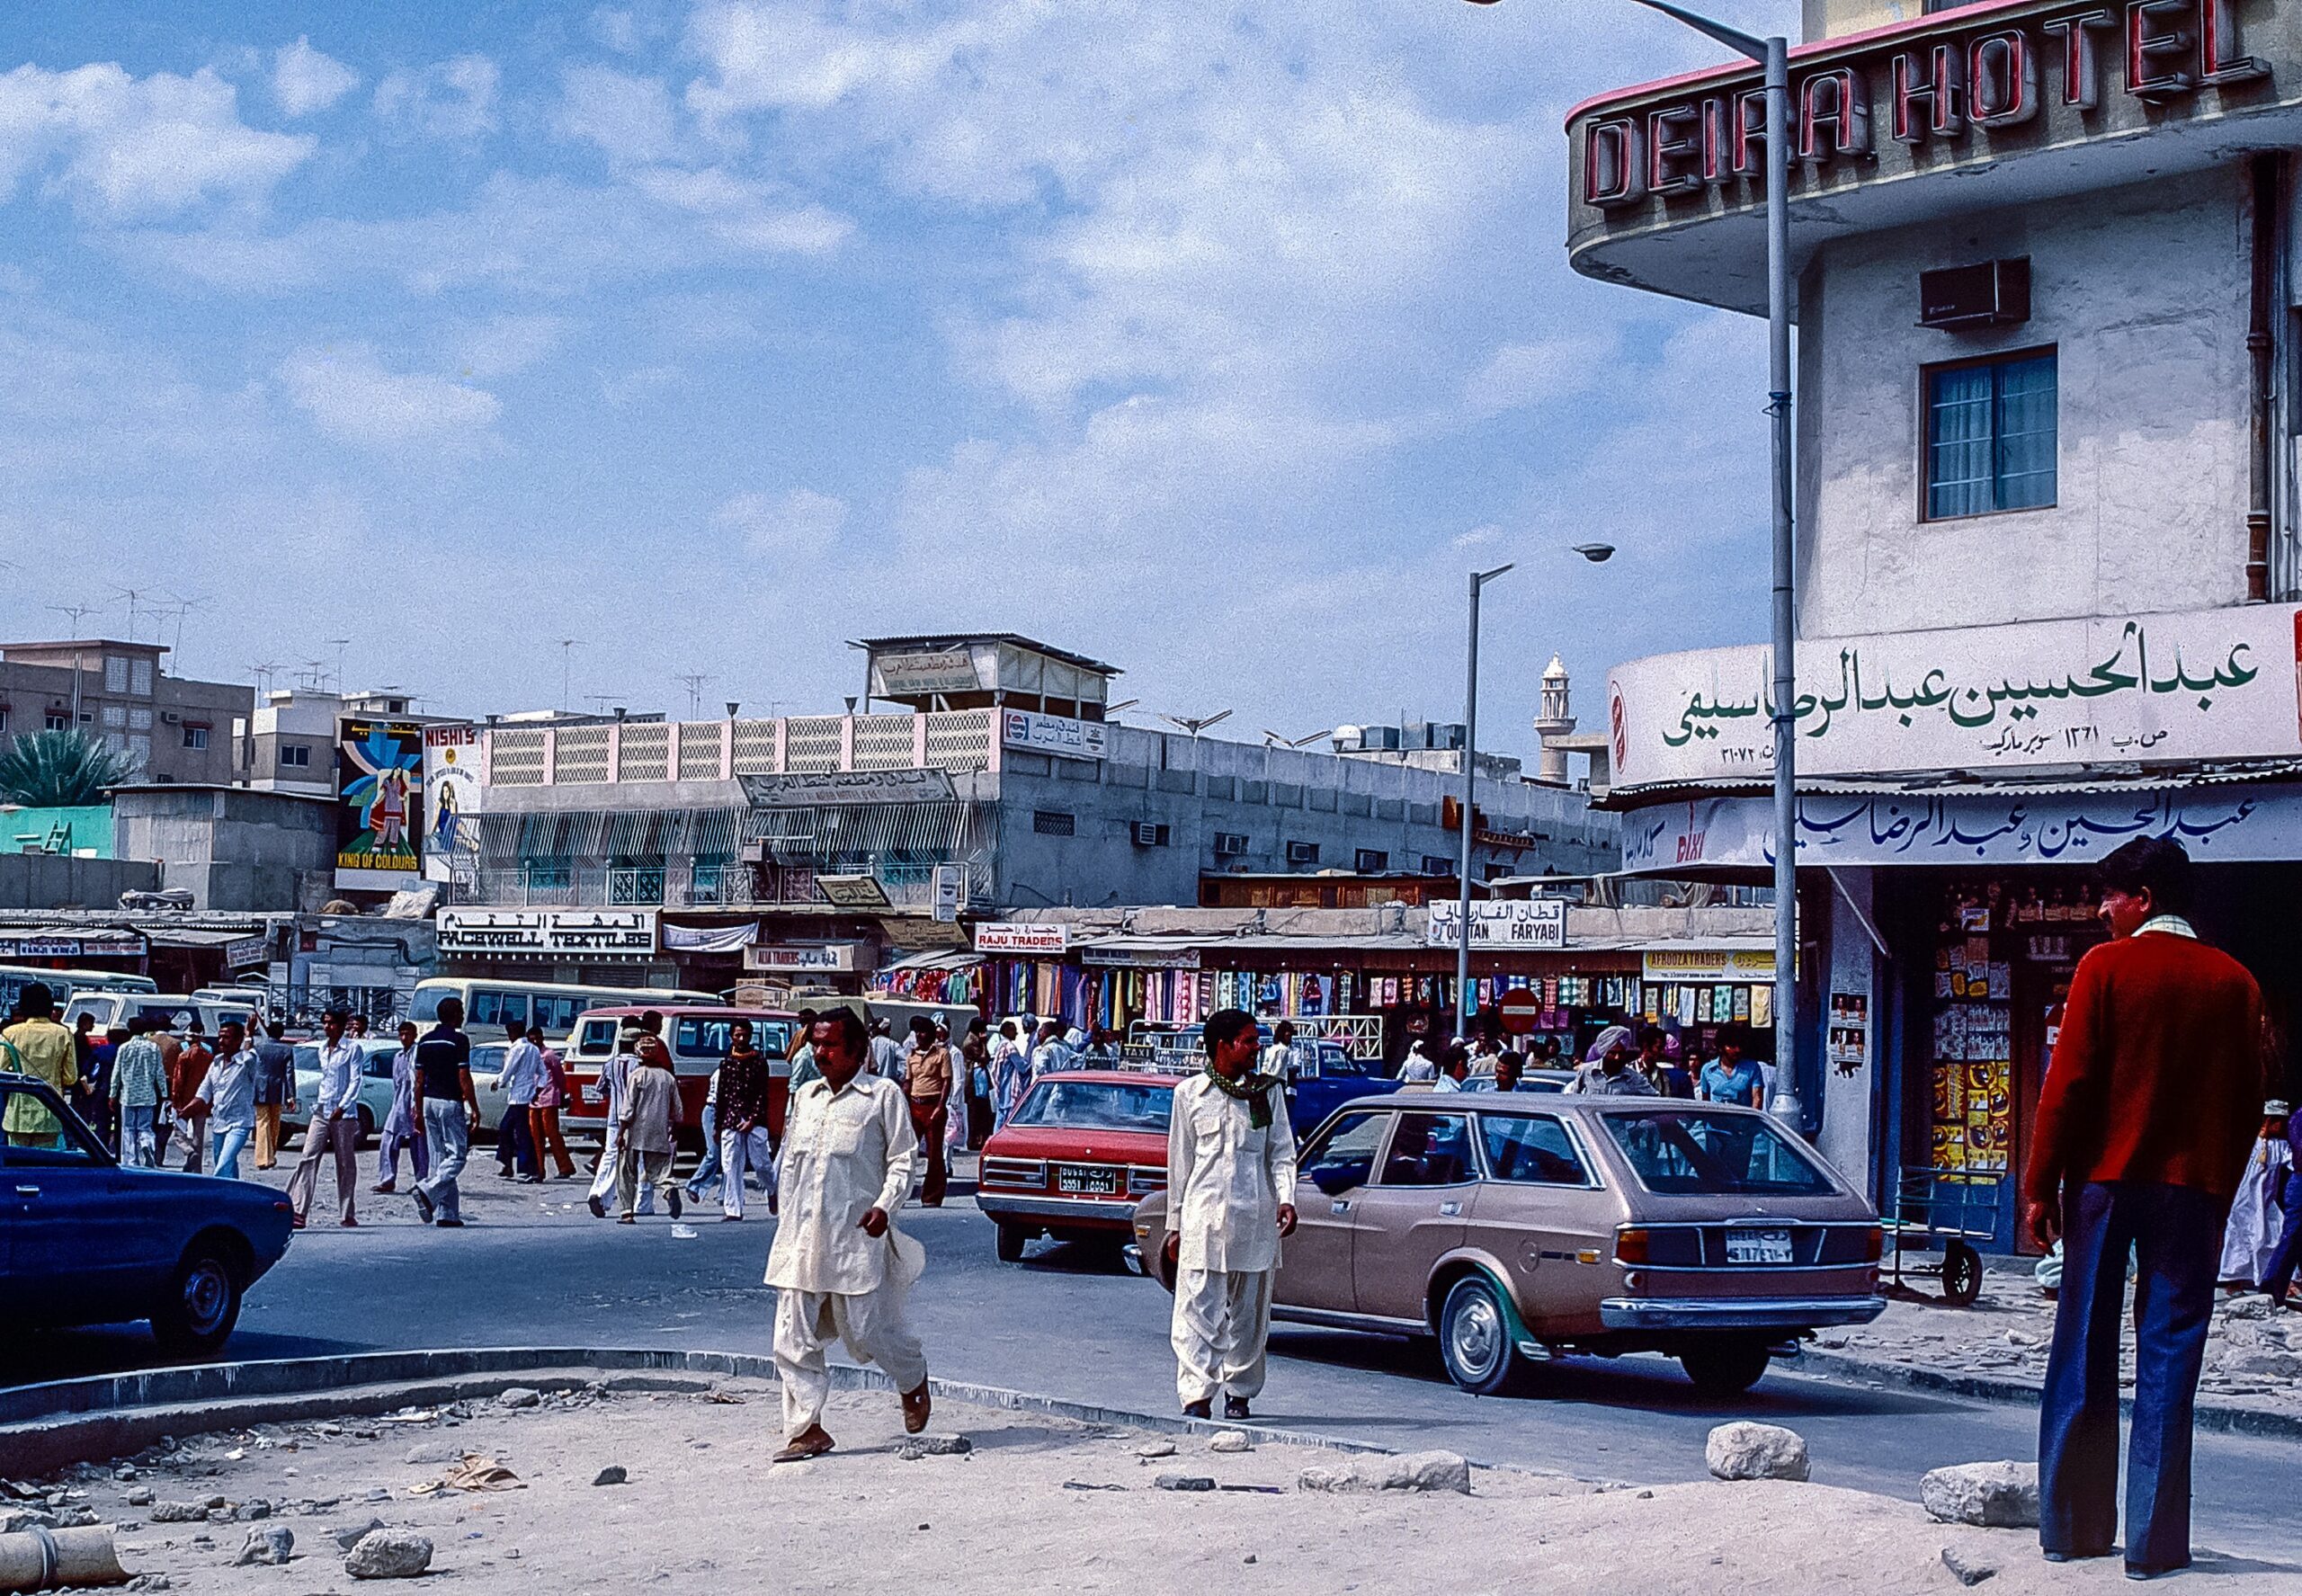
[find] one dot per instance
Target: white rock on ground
(1416, 1473)
(1987, 1495)
(1746, 1452)
(388, 1555)
(267, 1543)
(1230, 1440)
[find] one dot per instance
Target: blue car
(84, 1240)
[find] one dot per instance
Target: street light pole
(1479, 579)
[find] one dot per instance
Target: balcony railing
(723, 750)
(676, 884)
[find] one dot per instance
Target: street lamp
(1773, 54)
(1597, 554)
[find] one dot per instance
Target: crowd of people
(1622, 1061)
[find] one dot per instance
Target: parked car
(1330, 1078)
(86, 1241)
(1514, 1231)
(174, 1011)
(375, 1102)
(697, 1035)
(1080, 1151)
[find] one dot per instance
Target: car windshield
(1702, 1152)
(1097, 1105)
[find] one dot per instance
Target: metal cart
(1956, 1208)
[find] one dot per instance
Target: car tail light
(1146, 1177)
(1631, 1245)
(1875, 1246)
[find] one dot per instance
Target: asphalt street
(535, 1269)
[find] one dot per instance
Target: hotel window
(1990, 436)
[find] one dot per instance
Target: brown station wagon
(1516, 1228)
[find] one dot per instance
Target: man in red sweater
(2154, 1091)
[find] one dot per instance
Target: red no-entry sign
(1522, 1008)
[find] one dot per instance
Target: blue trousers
(2176, 1235)
(2280, 1274)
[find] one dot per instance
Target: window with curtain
(1990, 436)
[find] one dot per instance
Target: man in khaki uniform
(648, 1123)
(841, 1268)
(1231, 1196)
(45, 1051)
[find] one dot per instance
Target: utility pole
(567, 647)
(695, 682)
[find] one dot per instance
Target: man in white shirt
(1285, 1058)
(229, 1090)
(1050, 1053)
(335, 1125)
(887, 1056)
(515, 1142)
(1230, 1195)
(839, 1267)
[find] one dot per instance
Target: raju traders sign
(379, 803)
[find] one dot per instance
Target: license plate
(593, 1092)
(1087, 1183)
(1758, 1246)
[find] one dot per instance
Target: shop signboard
(1532, 924)
(708, 939)
(2217, 824)
(1054, 734)
(825, 958)
(1018, 937)
(806, 789)
(451, 783)
(547, 933)
(916, 675)
(951, 889)
(2202, 685)
(853, 892)
(379, 803)
(243, 952)
(98, 945)
(1139, 956)
(1695, 965)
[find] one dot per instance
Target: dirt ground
(703, 1510)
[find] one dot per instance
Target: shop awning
(944, 959)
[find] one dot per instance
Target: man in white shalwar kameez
(841, 1268)
(2250, 1238)
(1231, 1192)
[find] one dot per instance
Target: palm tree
(60, 770)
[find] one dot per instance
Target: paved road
(534, 1269)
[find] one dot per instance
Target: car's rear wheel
(1726, 1367)
(1011, 1242)
(367, 1123)
(202, 1305)
(1474, 1338)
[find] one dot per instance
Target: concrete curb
(51, 1426)
(2225, 1417)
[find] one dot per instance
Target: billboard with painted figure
(379, 797)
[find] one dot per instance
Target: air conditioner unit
(170, 717)
(1230, 845)
(1300, 853)
(1993, 294)
(1149, 834)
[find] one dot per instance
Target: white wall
(2144, 292)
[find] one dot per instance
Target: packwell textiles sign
(575, 934)
(2203, 685)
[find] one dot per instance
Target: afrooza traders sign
(2210, 684)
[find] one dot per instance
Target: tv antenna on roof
(566, 666)
(1195, 725)
(78, 612)
(694, 681)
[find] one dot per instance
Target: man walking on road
(334, 1127)
(229, 1091)
(1231, 1196)
(927, 1078)
(45, 1051)
(140, 1085)
(451, 1114)
(186, 1070)
(648, 1122)
(515, 1148)
(403, 1127)
(631, 1041)
(744, 1140)
(841, 1268)
(551, 1092)
(2150, 1103)
(275, 1090)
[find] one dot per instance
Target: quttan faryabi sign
(1977, 85)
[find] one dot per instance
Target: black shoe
(449, 1225)
(423, 1204)
(2074, 1556)
(1234, 1407)
(672, 1197)
(1199, 1410)
(598, 1208)
(2137, 1571)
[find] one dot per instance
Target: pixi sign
(2080, 67)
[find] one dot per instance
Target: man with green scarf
(1230, 1195)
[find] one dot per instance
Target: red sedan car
(1082, 1149)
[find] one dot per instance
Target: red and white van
(697, 1036)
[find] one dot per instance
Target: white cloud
(451, 100)
(124, 147)
(630, 118)
(800, 521)
(503, 344)
(352, 396)
(304, 80)
(1521, 374)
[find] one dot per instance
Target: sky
(513, 351)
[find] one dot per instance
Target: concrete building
(289, 743)
(2046, 520)
(232, 847)
(840, 829)
(173, 728)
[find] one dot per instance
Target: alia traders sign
(379, 804)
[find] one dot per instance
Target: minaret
(1556, 719)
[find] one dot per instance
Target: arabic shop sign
(537, 933)
(2223, 824)
(1500, 926)
(1913, 99)
(2211, 684)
